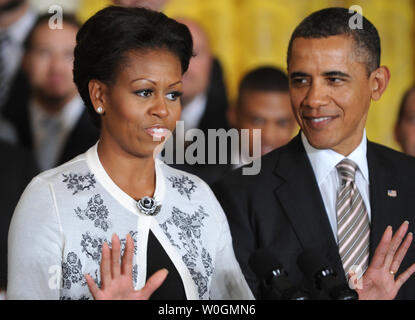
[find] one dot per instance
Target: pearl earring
(100, 110)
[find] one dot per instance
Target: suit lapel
(381, 179)
(83, 136)
(300, 197)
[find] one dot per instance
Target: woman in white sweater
(128, 68)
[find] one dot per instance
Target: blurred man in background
(405, 125)
(264, 103)
(204, 100)
(52, 121)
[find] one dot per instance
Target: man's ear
(379, 80)
(98, 95)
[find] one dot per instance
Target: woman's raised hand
(117, 279)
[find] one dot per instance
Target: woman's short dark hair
(335, 21)
(103, 41)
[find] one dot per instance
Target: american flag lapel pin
(392, 193)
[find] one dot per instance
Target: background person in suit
(292, 204)
(52, 121)
(264, 103)
(405, 124)
(204, 93)
(204, 102)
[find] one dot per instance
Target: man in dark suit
(263, 103)
(307, 195)
(204, 101)
(49, 117)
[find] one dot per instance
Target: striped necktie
(353, 227)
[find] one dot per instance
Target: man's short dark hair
(266, 78)
(335, 21)
(67, 19)
(104, 40)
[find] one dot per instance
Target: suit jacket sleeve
(242, 225)
(228, 281)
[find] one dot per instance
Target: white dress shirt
(324, 163)
(65, 214)
(68, 117)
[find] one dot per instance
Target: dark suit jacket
(17, 168)
(214, 116)
(282, 208)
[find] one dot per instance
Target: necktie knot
(347, 170)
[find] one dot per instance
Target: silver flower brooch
(148, 206)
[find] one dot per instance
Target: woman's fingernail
(406, 221)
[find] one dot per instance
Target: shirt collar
(323, 161)
(68, 115)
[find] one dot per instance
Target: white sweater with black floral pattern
(65, 215)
